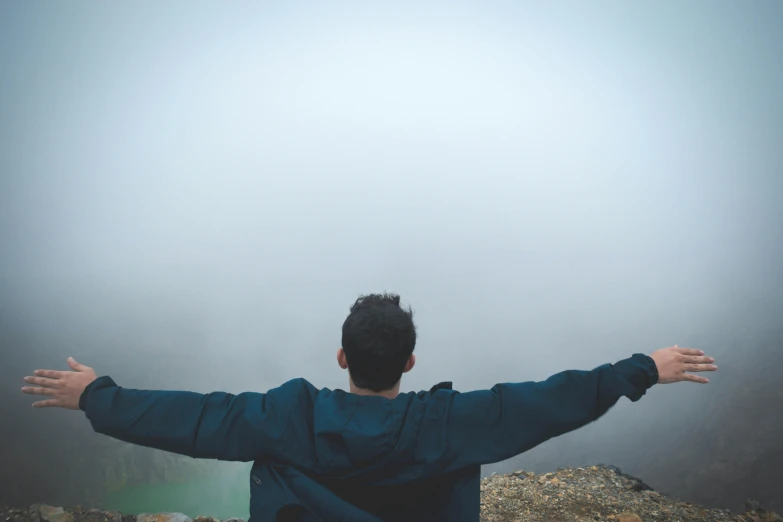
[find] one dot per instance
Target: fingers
(52, 374)
(694, 378)
(697, 360)
(700, 368)
(46, 404)
(687, 351)
(51, 383)
(77, 366)
(31, 390)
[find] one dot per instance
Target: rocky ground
(575, 494)
(594, 493)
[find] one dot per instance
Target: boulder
(44, 513)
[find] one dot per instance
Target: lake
(219, 496)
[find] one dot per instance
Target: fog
(193, 194)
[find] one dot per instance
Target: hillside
(572, 494)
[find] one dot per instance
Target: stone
(163, 517)
(42, 512)
(628, 517)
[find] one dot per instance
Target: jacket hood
(360, 434)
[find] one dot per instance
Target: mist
(193, 194)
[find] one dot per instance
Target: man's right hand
(674, 363)
(63, 388)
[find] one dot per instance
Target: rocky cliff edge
(573, 494)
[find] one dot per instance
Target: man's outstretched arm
(217, 425)
(492, 425)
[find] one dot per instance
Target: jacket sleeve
(218, 425)
(492, 425)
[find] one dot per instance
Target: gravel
(594, 493)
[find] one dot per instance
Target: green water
(218, 497)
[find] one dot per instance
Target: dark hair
(378, 338)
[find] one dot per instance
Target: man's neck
(389, 394)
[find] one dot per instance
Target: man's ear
(410, 364)
(341, 359)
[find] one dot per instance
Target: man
(371, 454)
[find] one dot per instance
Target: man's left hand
(64, 388)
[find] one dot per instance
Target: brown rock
(628, 517)
(50, 514)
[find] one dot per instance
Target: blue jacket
(328, 455)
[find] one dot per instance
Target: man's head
(378, 341)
